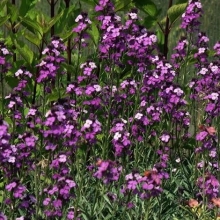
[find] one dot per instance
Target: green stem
(2, 94)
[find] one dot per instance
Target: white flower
(133, 15)
(203, 71)
(79, 17)
(62, 158)
(11, 159)
(97, 88)
(165, 138)
(92, 65)
(117, 136)
(5, 51)
(19, 72)
(153, 38)
(88, 123)
(124, 121)
(178, 91)
(214, 68)
(178, 160)
(214, 96)
(201, 50)
(138, 116)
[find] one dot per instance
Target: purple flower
(108, 171)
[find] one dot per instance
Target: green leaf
(181, 1)
(2, 6)
(32, 38)
(24, 51)
(4, 19)
(12, 11)
(26, 6)
(176, 11)
(94, 33)
(66, 22)
(3, 3)
(160, 37)
(149, 22)
(11, 81)
(147, 6)
(151, 9)
(65, 34)
(122, 5)
(52, 22)
(32, 25)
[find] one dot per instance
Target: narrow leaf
(4, 19)
(52, 22)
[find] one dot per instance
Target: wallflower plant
(108, 134)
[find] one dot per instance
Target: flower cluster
(83, 22)
(4, 53)
(108, 171)
(209, 186)
(49, 66)
(190, 18)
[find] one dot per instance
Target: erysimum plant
(117, 132)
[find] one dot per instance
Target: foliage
(101, 122)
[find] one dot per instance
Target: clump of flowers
(108, 171)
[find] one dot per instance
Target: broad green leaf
(151, 9)
(25, 6)
(11, 80)
(122, 5)
(181, 1)
(32, 25)
(94, 33)
(32, 38)
(160, 37)
(4, 19)
(176, 11)
(147, 6)
(149, 22)
(24, 51)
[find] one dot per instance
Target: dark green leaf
(4, 19)
(147, 6)
(90, 2)
(2, 7)
(94, 33)
(26, 5)
(176, 11)
(52, 22)
(181, 1)
(12, 11)
(122, 5)
(32, 25)
(66, 22)
(24, 51)
(32, 38)
(149, 22)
